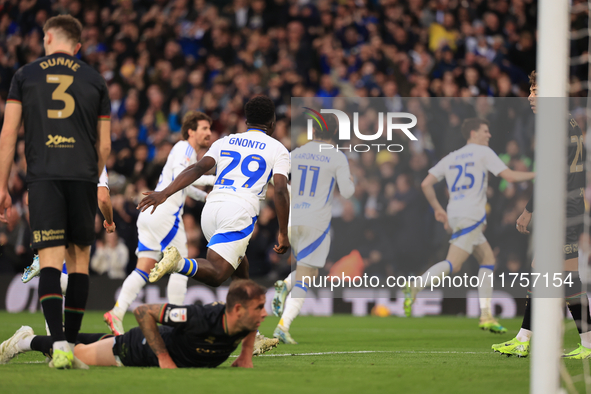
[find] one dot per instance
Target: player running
(165, 228)
(191, 336)
(313, 180)
(64, 104)
(466, 173)
(575, 209)
(245, 164)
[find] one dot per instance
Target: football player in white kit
(166, 228)
(466, 173)
(245, 164)
(312, 184)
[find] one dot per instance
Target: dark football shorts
(62, 212)
(133, 349)
(571, 246)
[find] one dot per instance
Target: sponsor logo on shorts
(58, 141)
(571, 248)
(48, 235)
(178, 315)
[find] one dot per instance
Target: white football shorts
(159, 230)
(227, 227)
(310, 246)
(467, 233)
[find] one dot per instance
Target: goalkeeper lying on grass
(190, 336)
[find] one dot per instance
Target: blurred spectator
(110, 257)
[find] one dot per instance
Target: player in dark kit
(190, 336)
(575, 210)
(65, 106)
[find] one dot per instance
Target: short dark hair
(67, 24)
(329, 131)
(243, 290)
(190, 121)
(259, 110)
(532, 78)
(472, 124)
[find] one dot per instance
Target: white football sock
(64, 283)
(485, 289)
(586, 339)
(177, 289)
(293, 304)
(62, 345)
(129, 291)
(24, 345)
(288, 281)
(440, 269)
(524, 335)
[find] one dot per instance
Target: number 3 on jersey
(253, 176)
(59, 94)
(464, 170)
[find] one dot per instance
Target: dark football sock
(50, 297)
(76, 296)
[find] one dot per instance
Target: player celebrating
(191, 336)
(466, 172)
(313, 178)
(165, 227)
(245, 163)
(575, 209)
(66, 111)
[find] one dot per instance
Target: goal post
(550, 192)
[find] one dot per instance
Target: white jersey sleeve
(492, 162)
(205, 180)
(344, 181)
(196, 194)
(104, 179)
(438, 171)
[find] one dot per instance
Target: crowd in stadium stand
(162, 58)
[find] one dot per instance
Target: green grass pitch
(357, 355)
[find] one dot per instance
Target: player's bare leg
(295, 302)
(453, 263)
(99, 353)
(132, 285)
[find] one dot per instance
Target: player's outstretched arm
(516, 176)
(185, 178)
(103, 143)
(429, 191)
(147, 317)
(244, 360)
(12, 123)
(106, 208)
(281, 198)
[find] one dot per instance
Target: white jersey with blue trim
(466, 173)
(313, 178)
(104, 179)
(180, 157)
(245, 164)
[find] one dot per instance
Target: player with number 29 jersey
(245, 164)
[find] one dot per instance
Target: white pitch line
(366, 352)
